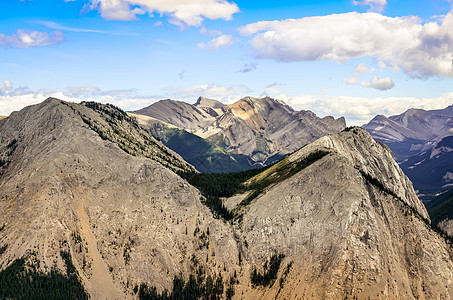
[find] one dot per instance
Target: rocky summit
(91, 202)
(258, 131)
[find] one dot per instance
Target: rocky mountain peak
(207, 102)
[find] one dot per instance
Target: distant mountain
(259, 130)
(422, 143)
(206, 156)
(92, 205)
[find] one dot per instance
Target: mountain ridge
(420, 141)
(263, 129)
(326, 230)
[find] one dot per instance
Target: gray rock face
(262, 129)
(73, 182)
(206, 102)
(345, 236)
(125, 219)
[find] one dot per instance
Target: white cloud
(382, 65)
(180, 12)
(218, 42)
(351, 81)
(157, 24)
(379, 83)
(375, 5)
(13, 99)
(359, 111)
(363, 68)
(420, 50)
(24, 39)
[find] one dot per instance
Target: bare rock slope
(336, 219)
(125, 219)
(349, 225)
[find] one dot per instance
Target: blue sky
(343, 58)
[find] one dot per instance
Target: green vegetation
(221, 184)
(407, 209)
(205, 156)
(216, 185)
(267, 278)
(441, 207)
(23, 280)
(200, 286)
(354, 129)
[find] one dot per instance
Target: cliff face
(261, 129)
(350, 224)
(85, 179)
(124, 219)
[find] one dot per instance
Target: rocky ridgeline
(261, 130)
(336, 219)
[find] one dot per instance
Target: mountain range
(422, 142)
(249, 133)
(92, 205)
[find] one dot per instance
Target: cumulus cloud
(218, 42)
(180, 12)
(27, 39)
(419, 49)
(12, 98)
(363, 68)
(379, 83)
(375, 5)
